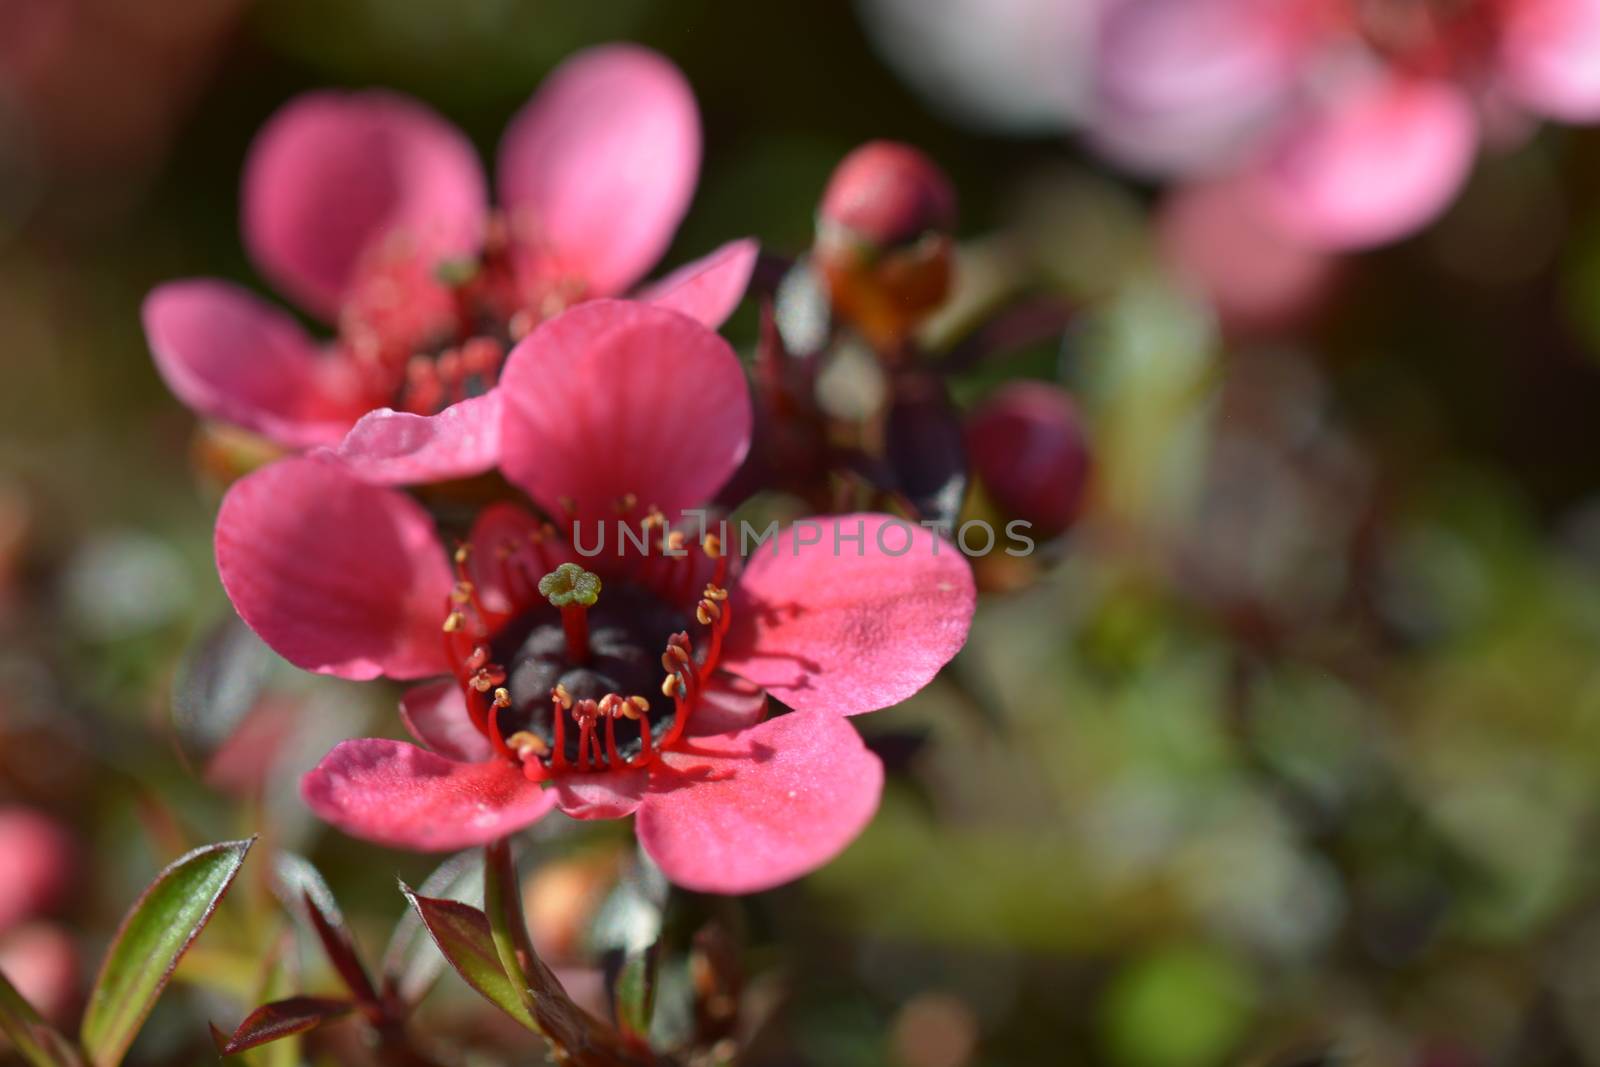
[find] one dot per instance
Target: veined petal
(233, 357)
(709, 288)
(435, 713)
(597, 169)
(337, 576)
(388, 447)
(616, 397)
(849, 613)
(332, 174)
(746, 811)
(395, 794)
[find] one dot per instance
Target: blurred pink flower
(40, 861)
(630, 414)
(1353, 122)
(371, 211)
(41, 961)
(1254, 276)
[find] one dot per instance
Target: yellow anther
(525, 744)
(561, 696)
(712, 546)
(627, 502)
(670, 685)
(502, 697)
(462, 593)
(452, 622)
(715, 592)
(675, 541)
(463, 552)
(654, 519)
(706, 611)
(639, 703)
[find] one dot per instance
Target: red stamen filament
(470, 623)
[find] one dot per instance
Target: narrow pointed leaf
(575, 1036)
(302, 889)
(152, 939)
(410, 964)
(627, 933)
(462, 934)
(35, 1040)
(283, 1018)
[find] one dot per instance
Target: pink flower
(40, 863)
(1355, 122)
(632, 681)
(371, 212)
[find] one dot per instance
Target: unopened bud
(1027, 446)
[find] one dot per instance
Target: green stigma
(570, 584)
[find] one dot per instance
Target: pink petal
(616, 397)
(709, 288)
(229, 356)
(436, 714)
(1380, 162)
(396, 794)
(597, 170)
(751, 810)
(1258, 278)
(332, 174)
(1183, 85)
(848, 627)
(338, 576)
(389, 447)
(1550, 57)
(603, 795)
(727, 703)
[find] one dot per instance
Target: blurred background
(1288, 752)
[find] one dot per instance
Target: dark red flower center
(568, 672)
(422, 334)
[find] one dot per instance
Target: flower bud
(883, 239)
(886, 194)
(1027, 446)
(36, 873)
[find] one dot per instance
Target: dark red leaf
(281, 1019)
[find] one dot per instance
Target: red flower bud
(1027, 445)
(885, 194)
(883, 240)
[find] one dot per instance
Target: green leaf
(568, 1028)
(463, 936)
(410, 963)
(153, 937)
(36, 1040)
(301, 888)
(628, 934)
